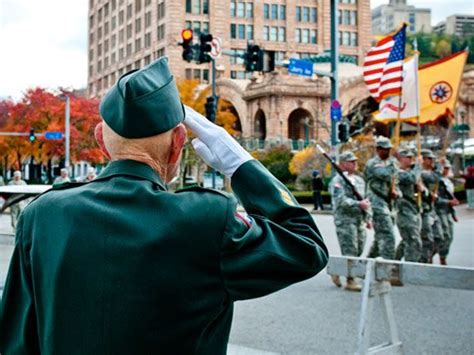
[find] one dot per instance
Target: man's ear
(99, 137)
(177, 142)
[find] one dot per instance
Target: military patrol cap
(427, 153)
(447, 164)
(347, 156)
(144, 102)
(383, 142)
(17, 173)
(406, 152)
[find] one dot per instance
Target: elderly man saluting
(122, 266)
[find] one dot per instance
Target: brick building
(127, 34)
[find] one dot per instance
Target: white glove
(214, 145)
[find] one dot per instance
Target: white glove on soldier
(214, 145)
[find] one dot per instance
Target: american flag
(383, 66)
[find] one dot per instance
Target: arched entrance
(260, 125)
(300, 125)
(229, 118)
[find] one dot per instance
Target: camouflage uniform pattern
(380, 175)
(348, 216)
(408, 217)
(443, 210)
(431, 233)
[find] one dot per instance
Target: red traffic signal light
(187, 35)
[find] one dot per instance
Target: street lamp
(67, 132)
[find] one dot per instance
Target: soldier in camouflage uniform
(431, 233)
(351, 216)
(444, 209)
(408, 210)
(381, 176)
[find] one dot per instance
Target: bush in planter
(276, 159)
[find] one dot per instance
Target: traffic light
(205, 48)
(343, 132)
(187, 44)
(211, 108)
(32, 136)
(253, 58)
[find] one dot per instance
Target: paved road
(315, 317)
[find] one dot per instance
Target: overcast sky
(44, 42)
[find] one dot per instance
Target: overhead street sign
(336, 111)
(300, 67)
(54, 135)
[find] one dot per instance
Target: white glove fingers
(199, 124)
(203, 151)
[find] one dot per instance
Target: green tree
(442, 48)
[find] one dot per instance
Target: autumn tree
(303, 164)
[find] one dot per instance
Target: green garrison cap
(347, 156)
(383, 142)
(143, 103)
(406, 152)
(427, 153)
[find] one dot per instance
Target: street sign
(54, 135)
(300, 67)
(216, 48)
(336, 111)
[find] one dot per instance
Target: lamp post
(67, 132)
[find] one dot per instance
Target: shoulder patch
(285, 195)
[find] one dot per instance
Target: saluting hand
(214, 145)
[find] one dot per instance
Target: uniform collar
(131, 168)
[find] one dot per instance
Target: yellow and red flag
(438, 86)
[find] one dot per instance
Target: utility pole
(334, 68)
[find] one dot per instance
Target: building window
(266, 33)
(232, 9)
(240, 9)
(188, 74)
(205, 27)
(106, 46)
(273, 34)
(91, 21)
(161, 10)
(138, 5)
(197, 74)
(250, 32)
(121, 36)
(205, 6)
(114, 22)
(233, 30)
(147, 60)
(106, 28)
(129, 11)
(113, 58)
(266, 11)
(205, 75)
(197, 27)
(346, 39)
(106, 10)
(147, 3)
(121, 17)
(354, 39)
(129, 50)
(160, 33)
(197, 6)
(91, 54)
(346, 19)
(305, 14)
(241, 31)
(121, 54)
(314, 14)
(305, 36)
(339, 17)
(353, 18)
(282, 12)
(99, 32)
(148, 19)
(138, 44)
(160, 53)
(129, 31)
(138, 25)
(298, 14)
(99, 66)
(314, 36)
(249, 10)
(411, 21)
(274, 12)
(298, 35)
(147, 40)
(99, 49)
(282, 34)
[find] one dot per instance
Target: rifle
(450, 196)
(357, 195)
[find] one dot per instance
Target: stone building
(387, 18)
(127, 34)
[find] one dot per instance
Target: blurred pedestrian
(63, 178)
(317, 184)
(16, 209)
(91, 175)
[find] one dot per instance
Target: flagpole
(418, 124)
(398, 124)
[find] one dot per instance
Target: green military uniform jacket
(122, 266)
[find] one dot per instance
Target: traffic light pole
(334, 70)
(214, 95)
